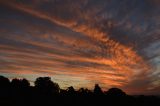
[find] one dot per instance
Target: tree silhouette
(4, 82)
(97, 90)
(71, 90)
(47, 93)
(16, 83)
(84, 91)
(81, 91)
(20, 83)
(25, 83)
(20, 88)
(4, 86)
(45, 85)
(115, 92)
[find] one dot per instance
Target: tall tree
(97, 90)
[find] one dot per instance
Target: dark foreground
(18, 92)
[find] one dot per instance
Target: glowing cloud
(82, 40)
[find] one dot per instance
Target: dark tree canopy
(46, 85)
(84, 91)
(98, 90)
(19, 92)
(4, 82)
(20, 83)
(25, 83)
(115, 92)
(70, 89)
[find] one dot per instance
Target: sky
(115, 43)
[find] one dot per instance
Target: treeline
(18, 92)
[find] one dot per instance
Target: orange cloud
(113, 64)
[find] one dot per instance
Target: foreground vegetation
(18, 92)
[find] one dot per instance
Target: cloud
(106, 42)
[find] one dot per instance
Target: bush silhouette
(115, 92)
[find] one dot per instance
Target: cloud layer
(110, 42)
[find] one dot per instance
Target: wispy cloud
(106, 42)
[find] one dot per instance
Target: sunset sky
(115, 43)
